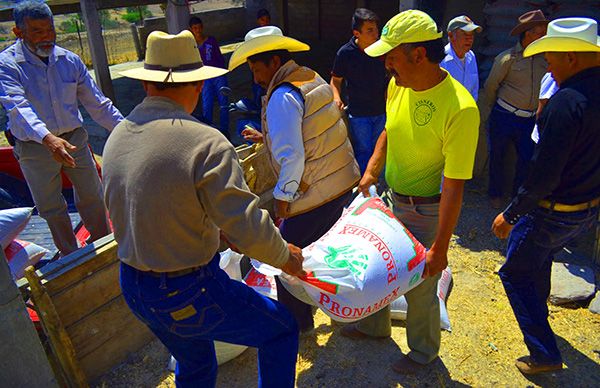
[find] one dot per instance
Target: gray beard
(39, 51)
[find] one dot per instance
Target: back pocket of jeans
(198, 315)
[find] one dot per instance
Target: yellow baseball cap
(407, 27)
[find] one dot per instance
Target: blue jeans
(210, 93)
(364, 132)
(526, 273)
(505, 128)
(188, 312)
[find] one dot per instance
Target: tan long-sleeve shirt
(171, 183)
(515, 79)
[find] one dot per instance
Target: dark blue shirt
(365, 78)
(565, 167)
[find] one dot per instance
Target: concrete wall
(226, 25)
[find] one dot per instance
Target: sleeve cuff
(510, 215)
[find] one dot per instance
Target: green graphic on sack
(346, 257)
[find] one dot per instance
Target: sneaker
(529, 367)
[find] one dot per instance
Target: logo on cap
(385, 31)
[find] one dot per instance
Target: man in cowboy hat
(559, 199)
(460, 60)
(171, 184)
(307, 141)
(431, 130)
(40, 87)
(511, 93)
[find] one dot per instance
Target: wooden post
(97, 49)
(136, 41)
(24, 362)
(178, 16)
(59, 339)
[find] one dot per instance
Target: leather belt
(412, 200)
(561, 207)
(174, 274)
(514, 110)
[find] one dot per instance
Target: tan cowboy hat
(567, 35)
(529, 20)
(173, 58)
(263, 39)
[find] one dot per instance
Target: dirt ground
(480, 351)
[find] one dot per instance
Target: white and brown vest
(330, 168)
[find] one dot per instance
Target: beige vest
(330, 169)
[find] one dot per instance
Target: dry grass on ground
(479, 352)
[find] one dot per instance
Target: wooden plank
(54, 329)
(82, 269)
(75, 259)
(113, 322)
(92, 292)
(97, 48)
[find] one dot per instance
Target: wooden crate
(88, 324)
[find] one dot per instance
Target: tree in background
(136, 14)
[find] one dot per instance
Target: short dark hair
(195, 20)
(262, 12)
(362, 15)
(31, 9)
(171, 85)
(434, 49)
(267, 56)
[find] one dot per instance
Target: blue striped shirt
(42, 98)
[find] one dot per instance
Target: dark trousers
(188, 312)
(302, 230)
(505, 128)
(526, 273)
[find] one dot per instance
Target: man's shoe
(530, 367)
(351, 331)
(407, 366)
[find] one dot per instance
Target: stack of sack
(19, 254)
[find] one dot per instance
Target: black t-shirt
(365, 78)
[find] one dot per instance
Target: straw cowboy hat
(263, 39)
(567, 35)
(529, 20)
(173, 58)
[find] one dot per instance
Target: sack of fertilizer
(367, 260)
(399, 307)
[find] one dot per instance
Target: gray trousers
(423, 315)
(42, 174)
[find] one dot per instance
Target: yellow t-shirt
(429, 132)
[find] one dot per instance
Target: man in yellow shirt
(431, 130)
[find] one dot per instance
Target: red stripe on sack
(325, 286)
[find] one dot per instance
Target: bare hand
(366, 181)
(500, 227)
(60, 149)
(435, 262)
(282, 209)
(251, 134)
(294, 264)
(339, 103)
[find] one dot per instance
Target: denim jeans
(364, 132)
(210, 93)
(505, 128)
(526, 273)
(188, 312)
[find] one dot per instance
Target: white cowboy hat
(567, 35)
(263, 39)
(173, 58)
